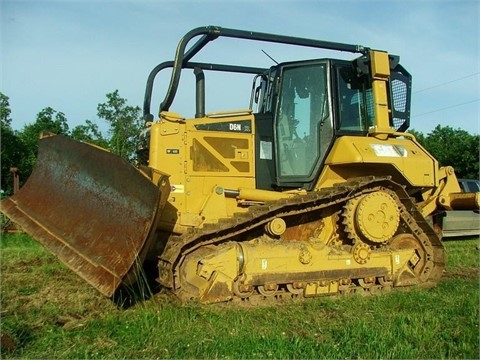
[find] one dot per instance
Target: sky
(69, 54)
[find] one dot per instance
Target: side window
(258, 97)
(355, 106)
(473, 186)
(262, 92)
(469, 185)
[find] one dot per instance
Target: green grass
(50, 313)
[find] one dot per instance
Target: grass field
(48, 312)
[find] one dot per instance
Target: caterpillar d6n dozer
(314, 189)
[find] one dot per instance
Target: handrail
(210, 33)
(192, 65)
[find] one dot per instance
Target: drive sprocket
(373, 217)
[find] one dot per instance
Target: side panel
(401, 158)
(203, 156)
(221, 156)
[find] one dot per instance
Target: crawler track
(249, 225)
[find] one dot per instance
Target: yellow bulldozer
(314, 189)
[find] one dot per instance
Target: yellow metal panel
(201, 155)
(266, 259)
(380, 64)
(377, 157)
(199, 189)
(167, 152)
(380, 103)
(228, 153)
(380, 69)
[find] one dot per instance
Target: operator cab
(299, 115)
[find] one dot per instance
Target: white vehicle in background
(459, 223)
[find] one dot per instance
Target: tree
(48, 120)
(13, 149)
(453, 147)
(89, 133)
(19, 148)
(125, 124)
(5, 110)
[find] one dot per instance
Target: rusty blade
(90, 208)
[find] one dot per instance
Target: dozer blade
(90, 208)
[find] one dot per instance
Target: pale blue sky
(69, 54)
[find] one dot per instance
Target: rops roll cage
(210, 33)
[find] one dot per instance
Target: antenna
(275, 61)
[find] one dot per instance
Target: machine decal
(389, 150)
(173, 151)
(242, 126)
(264, 264)
(266, 150)
(178, 189)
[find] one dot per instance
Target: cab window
(302, 108)
(355, 106)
